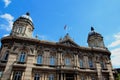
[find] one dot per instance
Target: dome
(27, 16)
(92, 33)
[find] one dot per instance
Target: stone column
(45, 76)
(8, 69)
(64, 77)
(61, 60)
(46, 57)
(77, 61)
(28, 70)
(58, 58)
(61, 76)
(109, 67)
(57, 75)
(99, 73)
(78, 78)
(85, 58)
(75, 76)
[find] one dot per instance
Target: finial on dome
(92, 29)
(28, 14)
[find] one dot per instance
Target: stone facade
(23, 57)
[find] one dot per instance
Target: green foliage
(118, 77)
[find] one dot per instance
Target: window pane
(1, 72)
(52, 60)
(22, 57)
(67, 61)
(90, 64)
(39, 59)
(6, 56)
(102, 64)
(81, 63)
(17, 75)
(51, 77)
(36, 77)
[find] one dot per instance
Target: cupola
(95, 39)
(23, 26)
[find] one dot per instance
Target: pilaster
(99, 73)
(28, 70)
(109, 67)
(8, 70)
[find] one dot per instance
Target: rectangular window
(36, 76)
(67, 61)
(22, 57)
(51, 77)
(90, 64)
(52, 60)
(1, 72)
(39, 59)
(17, 75)
(20, 30)
(81, 63)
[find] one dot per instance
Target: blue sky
(50, 17)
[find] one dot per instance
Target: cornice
(55, 44)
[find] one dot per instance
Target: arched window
(51, 77)
(39, 59)
(36, 76)
(90, 62)
(22, 57)
(5, 58)
(52, 60)
(17, 75)
(67, 61)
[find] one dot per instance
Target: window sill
(104, 69)
(82, 68)
(38, 64)
(3, 61)
(21, 62)
(52, 65)
(92, 68)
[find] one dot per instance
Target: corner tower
(23, 26)
(95, 39)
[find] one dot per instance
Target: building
(23, 57)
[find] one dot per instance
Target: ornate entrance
(69, 76)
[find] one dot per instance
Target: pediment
(69, 43)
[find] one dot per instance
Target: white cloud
(5, 35)
(115, 50)
(7, 2)
(9, 19)
(117, 40)
(115, 57)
